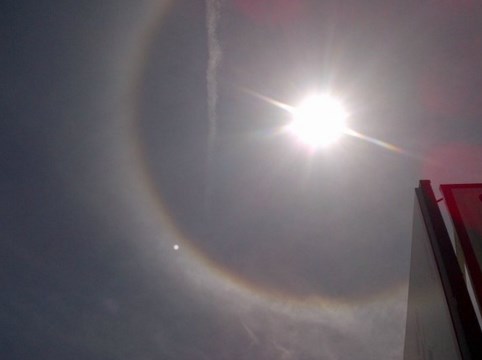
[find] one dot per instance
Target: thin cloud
(213, 13)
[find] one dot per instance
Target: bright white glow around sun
(319, 120)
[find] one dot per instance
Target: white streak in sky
(251, 334)
(213, 12)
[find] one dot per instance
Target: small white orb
(176, 247)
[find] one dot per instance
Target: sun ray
(378, 142)
(269, 100)
(346, 130)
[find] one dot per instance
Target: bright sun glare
(319, 120)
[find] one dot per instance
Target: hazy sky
(150, 208)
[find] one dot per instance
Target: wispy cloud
(213, 13)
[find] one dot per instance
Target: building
(444, 297)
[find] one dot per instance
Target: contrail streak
(251, 334)
(213, 12)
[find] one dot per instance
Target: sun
(319, 120)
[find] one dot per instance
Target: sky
(152, 209)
